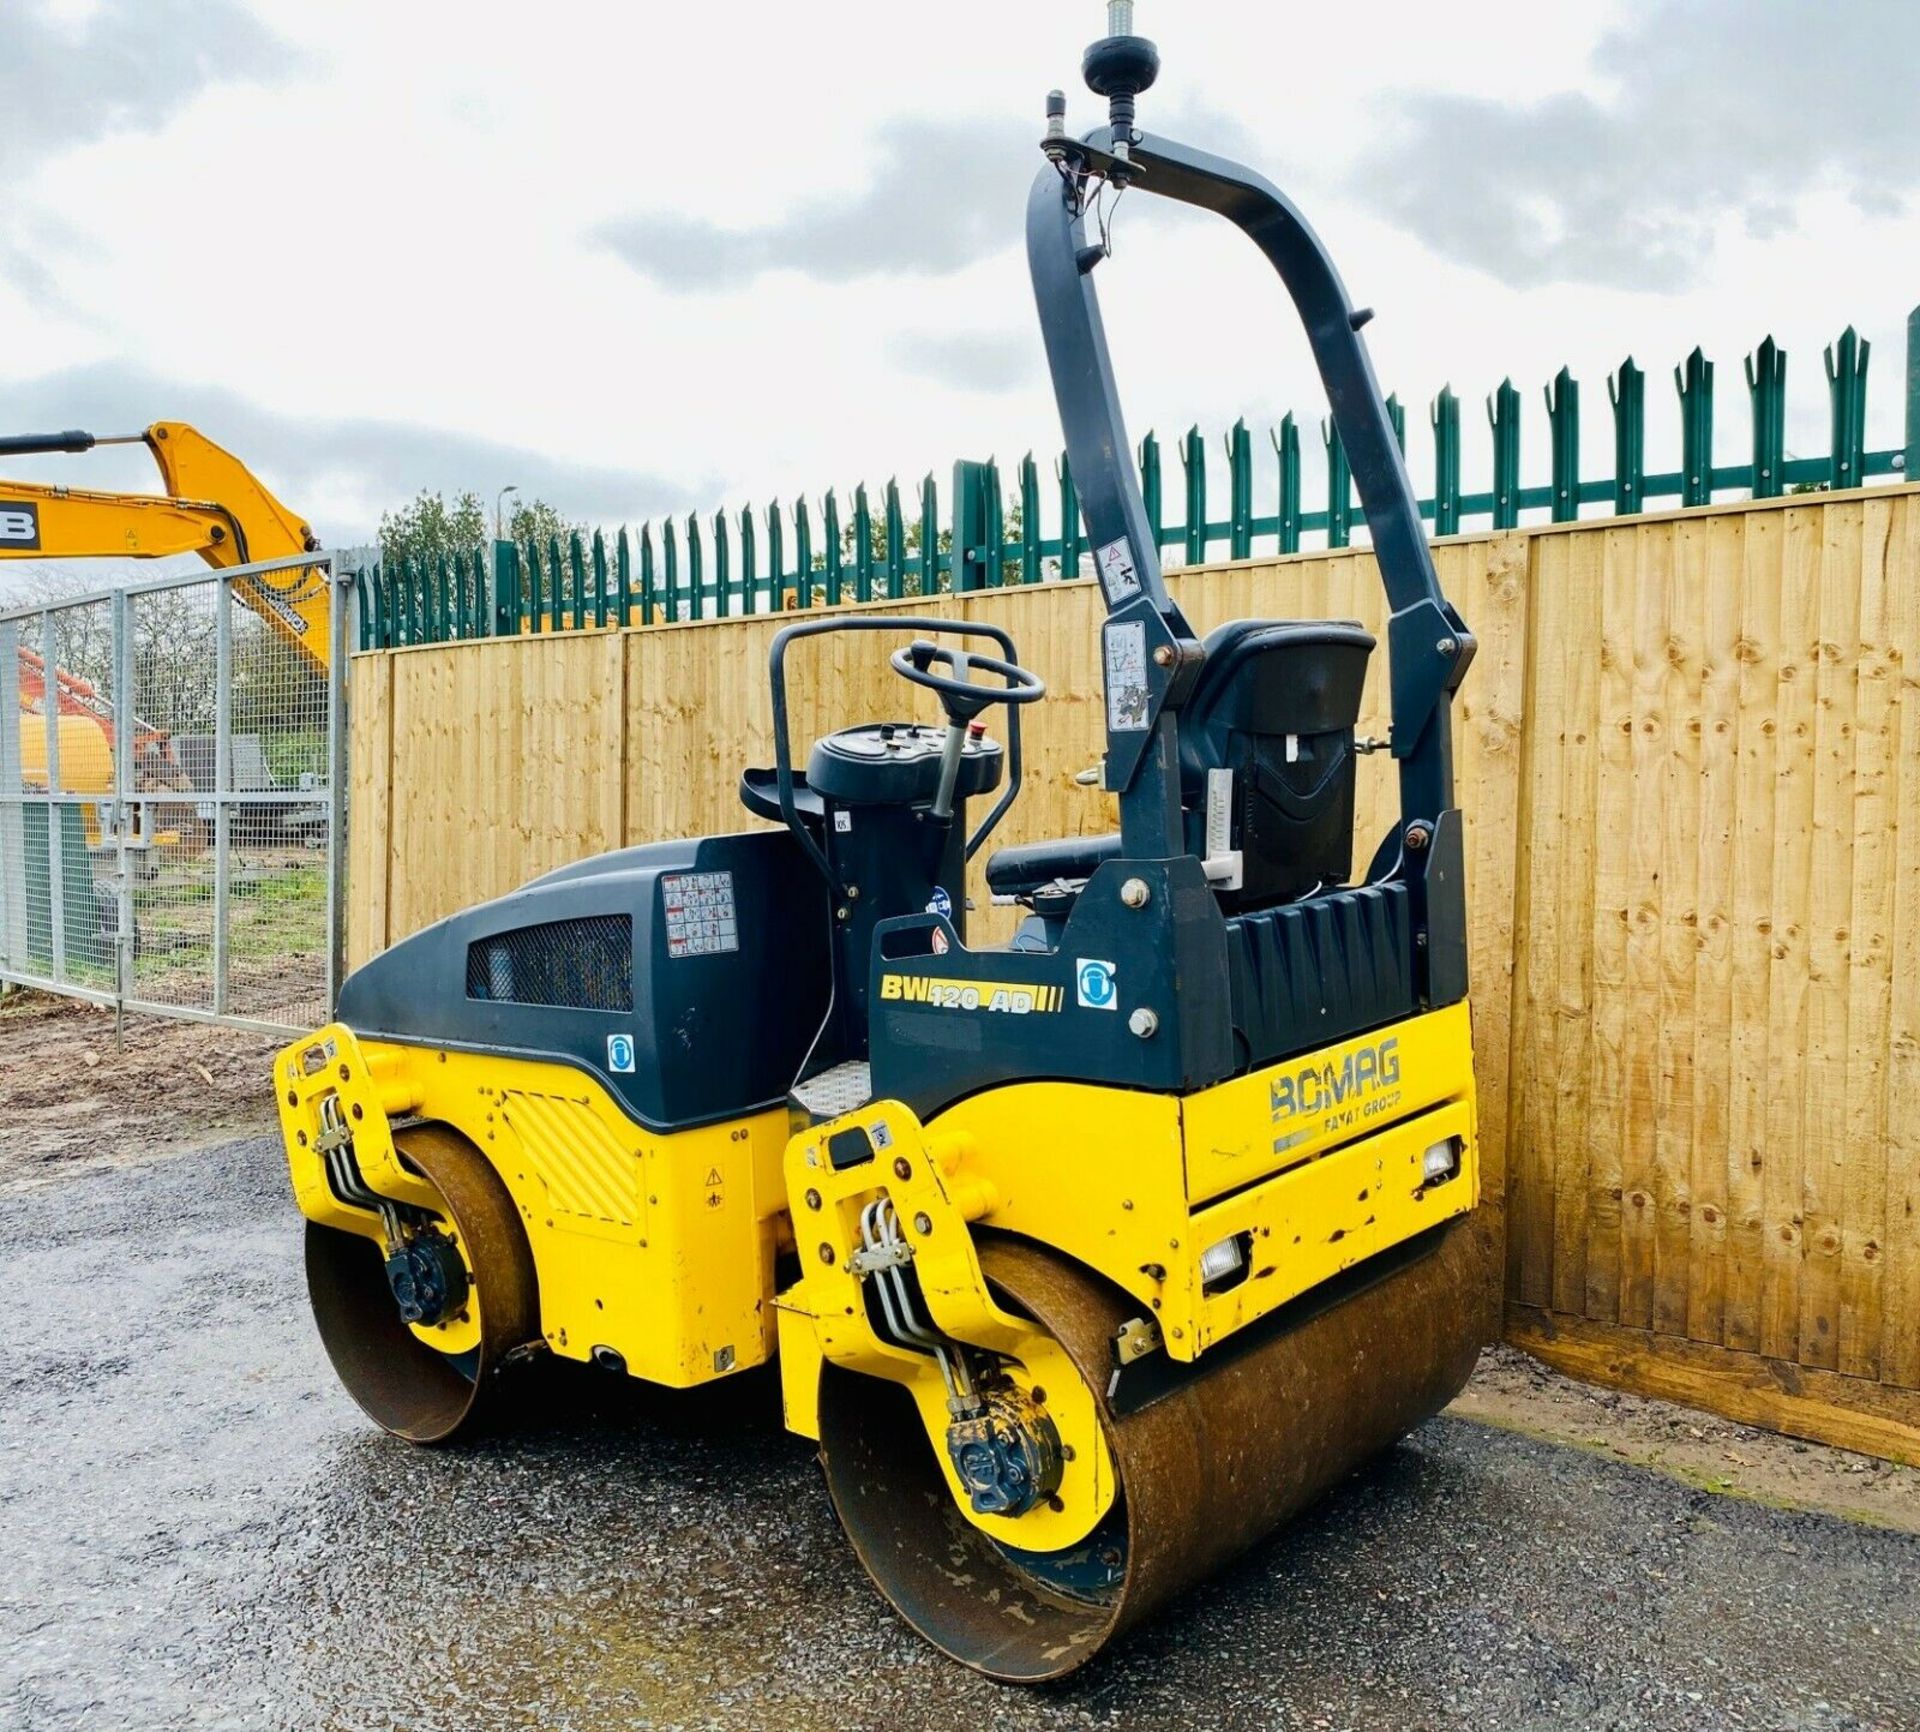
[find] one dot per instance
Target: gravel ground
(200, 1531)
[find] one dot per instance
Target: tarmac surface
(198, 1529)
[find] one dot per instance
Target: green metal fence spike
(896, 543)
(749, 560)
(1563, 420)
(1239, 492)
(862, 545)
(1503, 415)
(1071, 540)
(649, 589)
(536, 590)
(776, 560)
(557, 580)
(1847, 382)
(1397, 414)
(1766, 370)
(929, 536)
(1694, 382)
(803, 552)
(1445, 417)
(1339, 487)
(696, 568)
(722, 567)
(599, 578)
(1627, 390)
(996, 527)
(670, 569)
(1193, 459)
(1150, 490)
(623, 577)
(1029, 520)
(832, 553)
(1286, 448)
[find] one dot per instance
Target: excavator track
(1208, 1462)
(402, 1383)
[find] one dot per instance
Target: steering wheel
(959, 696)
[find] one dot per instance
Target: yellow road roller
(1087, 1258)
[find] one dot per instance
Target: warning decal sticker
(700, 913)
(1118, 576)
(1128, 700)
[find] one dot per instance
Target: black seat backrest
(1275, 706)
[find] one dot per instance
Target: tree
(539, 522)
(429, 528)
(432, 527)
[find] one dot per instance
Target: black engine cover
(689, 977)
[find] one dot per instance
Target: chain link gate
(172, 796)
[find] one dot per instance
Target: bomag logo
(1322, 1088)
(1000, 995)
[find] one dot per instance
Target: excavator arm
(213, 506)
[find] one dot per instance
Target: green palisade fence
(771, 562)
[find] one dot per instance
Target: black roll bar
(1146, 638)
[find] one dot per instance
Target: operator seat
(1274, 708)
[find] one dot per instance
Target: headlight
(1220, 1263)
(1441, 1162)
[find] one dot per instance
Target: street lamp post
(499, 508)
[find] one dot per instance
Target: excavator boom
(213, 506)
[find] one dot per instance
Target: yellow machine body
(661, 1247)
(658, 1247)
(1313, 1166)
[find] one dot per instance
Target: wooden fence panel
(502, 767)
(1685, 752)
(1713, 1179)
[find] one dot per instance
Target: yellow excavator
(213, 506)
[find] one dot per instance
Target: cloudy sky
(639, 257)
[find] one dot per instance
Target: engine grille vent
(582, 964)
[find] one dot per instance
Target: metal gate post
(122, 808)
(56, 838)
(506, 588)
(1912, 471)
(222, 782)
(336, 787)
(13, 852)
